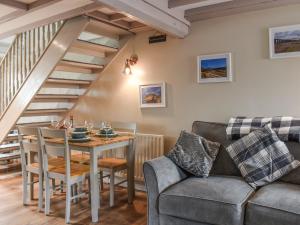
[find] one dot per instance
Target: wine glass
(89, 125)
(54, 123)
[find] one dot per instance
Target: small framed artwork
(153, 95)
(214, 68)
(284, 41)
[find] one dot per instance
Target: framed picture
(153, 95)
(284, 41)
(214, 68)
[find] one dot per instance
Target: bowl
(80, 129)
(78, 135)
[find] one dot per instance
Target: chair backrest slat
(33, 146)
(55, 150)
(52, 149)
(29, 147)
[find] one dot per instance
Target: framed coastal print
(284, 41)
(214, 68)
(153, 95)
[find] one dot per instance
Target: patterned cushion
(287, 128)
(261, 157)
(194, 154)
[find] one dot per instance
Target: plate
(107, 135)
(80, 140)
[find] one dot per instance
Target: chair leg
(25, 189)
(61, 186)
(40, 204)
(89, 188)
(47, 196)
(31, 186)
(68, 203)
(53, 186)
(80, 188)
(112, 189)
(101, 181)
(74, 192)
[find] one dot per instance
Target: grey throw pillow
(194, 154)
(261, 157)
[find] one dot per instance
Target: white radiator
(147, 147)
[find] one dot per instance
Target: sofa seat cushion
(218, 200)
(276, 204)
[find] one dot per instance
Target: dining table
(95, 146)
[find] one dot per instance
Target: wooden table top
(94, 142)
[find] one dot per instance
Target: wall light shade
(127, 69)
(128, 63)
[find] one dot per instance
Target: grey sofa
(224, 198)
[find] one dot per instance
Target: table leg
(130, 172)
(94, 186)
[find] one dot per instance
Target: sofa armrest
(159, 173)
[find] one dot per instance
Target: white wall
(261, 87)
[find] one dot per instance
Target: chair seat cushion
(218, 200)
(81, 158)
(76, 169)
(52, 163)
(112, 162)
(276, 204)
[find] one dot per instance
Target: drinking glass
(54, 123)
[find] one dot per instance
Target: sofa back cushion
(223, 164)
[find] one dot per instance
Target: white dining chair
(112, 164)
(72, 174)
(32, 163)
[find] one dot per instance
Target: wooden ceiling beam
(15, 4)
(116, 17)
(190, 4)
(41, 4)
(151, 15)
(234, 7)
(178, 3)
(106, 18)
(40, 22)
(29, 8)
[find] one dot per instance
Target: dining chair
(72, 174)
(32, 163)
(111, 165)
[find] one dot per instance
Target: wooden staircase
(62, 71)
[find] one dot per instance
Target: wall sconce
(130, 62)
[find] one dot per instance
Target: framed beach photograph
(153, 95)
(214, 68)
(284, 41)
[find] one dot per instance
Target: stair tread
(90, 45)
(39, 96)
(8, 156)
(80, 64)
(11, 137)
(10, 145)
(36, 123)
(33, 111)
(8, 166)
(68, 81)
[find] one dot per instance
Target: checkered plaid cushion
(261, 157)
(287, 128)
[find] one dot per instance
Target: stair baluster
(21, 58)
